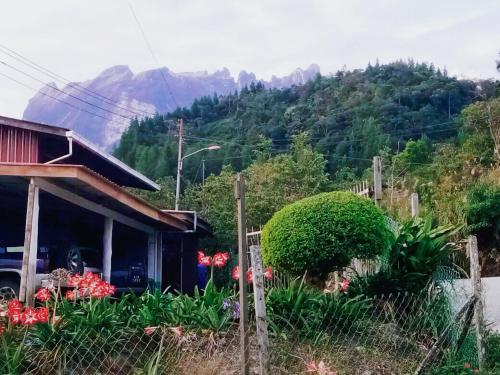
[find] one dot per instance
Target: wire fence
(329, 334)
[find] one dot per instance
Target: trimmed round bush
(322, 233)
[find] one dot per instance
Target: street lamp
(179, 169)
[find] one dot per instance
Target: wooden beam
(91, 206)
(28, 268)
(107, 246)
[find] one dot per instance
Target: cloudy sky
(79, 39)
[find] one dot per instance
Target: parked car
(127, 273)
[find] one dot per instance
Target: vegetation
(419, 250)
(350, 117)
(322, 233)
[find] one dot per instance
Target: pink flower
(206, 261)
(320, 368)
(29, 316)
(220, 259)
(70, 295)
(235, 274)
(344, 286)
(201, 254)
(268, 273)
(149, 330)
(250, 275)
(43, 295)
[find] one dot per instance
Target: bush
(323, 232)
(483, 211)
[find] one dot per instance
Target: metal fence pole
(260, 309)
(475, 272)
(242, 264)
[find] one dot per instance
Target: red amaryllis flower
(29, 316)
(220, 259)
(250, 275)
(149, 330)
(42, 314)
(235, 274)
(14, 307)
(43, 295)
(206, 261)
(70, 295)
(268, 272)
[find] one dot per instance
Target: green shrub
(483, 210)
(323, 232)
(418, 251)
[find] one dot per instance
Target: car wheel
(9, 290)
(74, 261)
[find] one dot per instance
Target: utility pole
(179, 166)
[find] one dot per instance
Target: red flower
(250, 275)
(235, 274)
(268, 273)
(70, 295)
(74, 280)
(2, 330)
(14, 306)
(42, 314)
(220, 259)
(206, 261)
(29, 316)
(43, 295)
(201, 254)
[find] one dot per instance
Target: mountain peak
(136, 95)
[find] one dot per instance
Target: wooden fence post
(415, 209)
(377, 179)
(475, 272)
(260, 309)
(242, 264)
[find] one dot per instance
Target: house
(64, 203)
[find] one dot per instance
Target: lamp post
(179, 169)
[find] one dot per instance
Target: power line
(59, 100)
(33, 65)
(66, 93)
(150, 48)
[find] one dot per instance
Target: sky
(79, 39)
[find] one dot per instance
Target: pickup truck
(127, 273)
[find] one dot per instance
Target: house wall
(18, 145)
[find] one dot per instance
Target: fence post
(260, 309)
(242, 264)
(414, 205)
(377, 179)
(475, 271)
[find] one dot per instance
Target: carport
(43, 203)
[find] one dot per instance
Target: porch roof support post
(28, 269)
(154, 258)
(107, 253)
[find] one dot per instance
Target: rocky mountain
(101, 108)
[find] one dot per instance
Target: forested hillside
(349, 117)
(437, 136)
